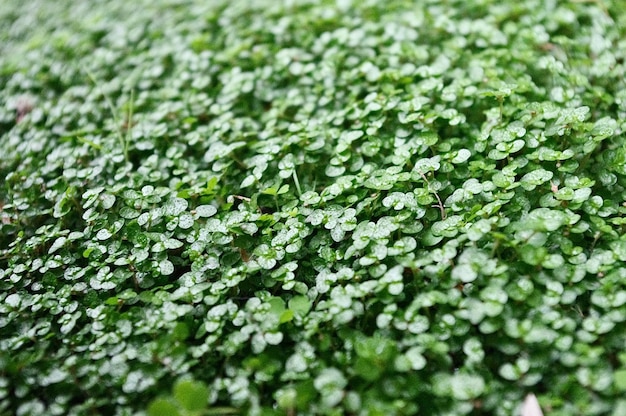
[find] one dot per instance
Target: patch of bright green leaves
(312, 207)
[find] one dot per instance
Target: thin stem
(439, 203)
(296, 182)
(123, 141)
(129, 123)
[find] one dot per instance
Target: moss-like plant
(312, 207)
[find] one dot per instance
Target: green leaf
(543, 219)
(330, 383)
(277, 306)
(533, 255)
(205, 211)
(192, 395)
(415, 357)
(461, 156)
(166, 267)
(108, 201)
(460, 386)
(464, 272)
(535, 178)
(300, 305)
(365, 369)
(380, 180)
(619, 248)
(58, 243)
(286, 316)
(175, 206)
(423, 166)
(619, 379)
(185, 221)
(172, 243)
(163, 407)
(104, 234)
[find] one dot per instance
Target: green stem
(296, 182)
(120, 137)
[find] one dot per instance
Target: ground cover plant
(312, 207)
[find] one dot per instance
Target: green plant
(315, 207)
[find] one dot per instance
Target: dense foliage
(312, 207)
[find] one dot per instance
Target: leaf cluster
(312, 207)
